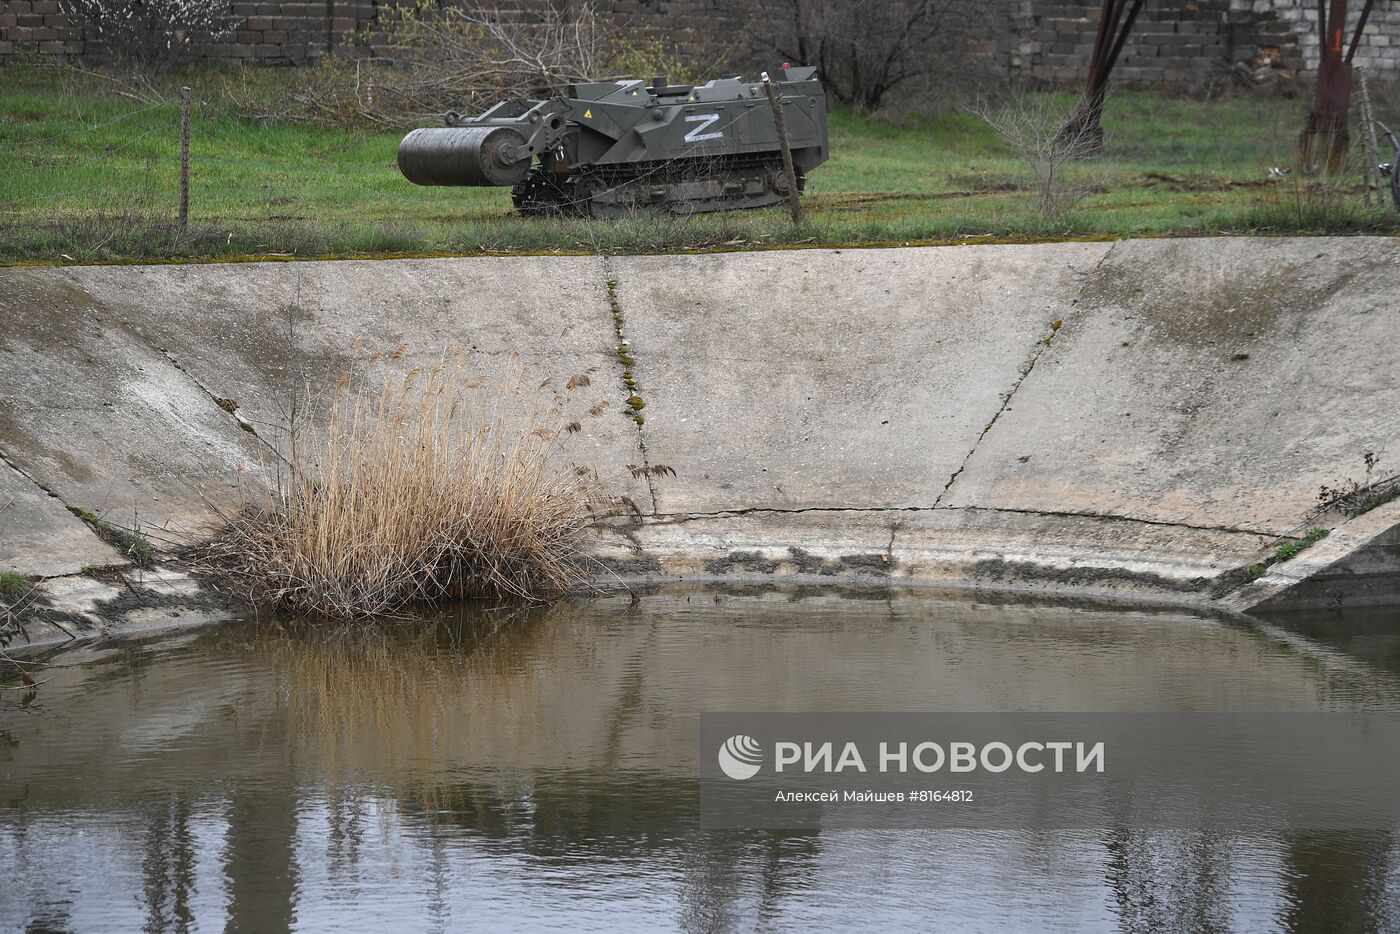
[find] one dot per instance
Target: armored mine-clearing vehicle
(624, 147)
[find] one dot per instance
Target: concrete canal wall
(1148, 418)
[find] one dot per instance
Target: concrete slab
(855, 378)
(988, 548)
(814, 404)
(106, 422)
(1027, 551)
(1357, 565)
(39, 537)
(774, 545)
(1214, 382)
(264, 334)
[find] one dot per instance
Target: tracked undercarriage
(680, 187)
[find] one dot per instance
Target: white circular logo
(740, 757)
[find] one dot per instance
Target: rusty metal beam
(1325, 139)
(1116, 19)
(1360, 28)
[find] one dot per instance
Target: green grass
(13, 587)
(93, 174)
(1290, 550)
(131, 542)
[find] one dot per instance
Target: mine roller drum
(464, 156)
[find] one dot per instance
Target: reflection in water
(536, 769)
(168, 865)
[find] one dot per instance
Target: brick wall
(270, 32)
(292, 33)
(1177, 43)
(36, 27)
(279, 32)
(1190, 43)
(1173, 43)
(1379, 51)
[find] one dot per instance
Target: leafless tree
(864, 49)
(474, 49)
(465, 56)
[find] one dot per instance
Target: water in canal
(537, 770)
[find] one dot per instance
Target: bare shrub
(1038, 130)
(16, 596)
(463, 57)
(428, 487)
(630, 52)
(1354, 497)
(865, 51)
(473, 49)
(152, 34)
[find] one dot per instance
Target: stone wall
(36, 27)
(271, 32)
(278, 32)
(293, 33)
(1170, 43)
(1379, 51)
(1179, 44)
(1192, 44)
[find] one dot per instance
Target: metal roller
(464, 156)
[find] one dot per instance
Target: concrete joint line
(626, 361)
(1110, 517)
(47, 491)
(678, 518)
(1040, 347)
(22, 473)
(242, 422)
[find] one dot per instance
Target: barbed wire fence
(102, 215)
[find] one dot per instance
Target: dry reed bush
(420, 488)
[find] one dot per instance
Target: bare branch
(1038, 131)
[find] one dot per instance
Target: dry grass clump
(424, 488)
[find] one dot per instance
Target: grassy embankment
(93, 174)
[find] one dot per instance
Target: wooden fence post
(184, 159)
(1370, 146)
(794, 196)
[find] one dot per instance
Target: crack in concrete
(678, 518)
(25, 475)
(72, 510)
(1108, 516)
(634, 402)
(1041, 346)
(226, 405)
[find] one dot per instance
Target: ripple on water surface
(522, 770)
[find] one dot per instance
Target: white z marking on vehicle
(695, 136)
